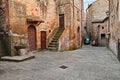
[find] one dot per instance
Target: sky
(86, 2)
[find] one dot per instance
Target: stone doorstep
(18, 58)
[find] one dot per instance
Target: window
(102, 27)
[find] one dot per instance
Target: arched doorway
(32, 37)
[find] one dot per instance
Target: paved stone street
(88, 63)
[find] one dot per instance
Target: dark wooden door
(78, 35)
(32, 37)
(61, 20)
(43, 40)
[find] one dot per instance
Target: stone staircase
(53, 45)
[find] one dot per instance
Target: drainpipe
(108, 31)
(73, 11)
(109, 17)
(8, 27)
(8, 22)
(109, 24)
(82, 21)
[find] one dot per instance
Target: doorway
(43, 40)
(102, 39)
(32, 37)
(61, 20)
(78, 35)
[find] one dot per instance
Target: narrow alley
(88, 63)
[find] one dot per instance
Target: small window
(102, 35)
(49, 31)
(78, 29)
(0, 2)
(102, 27)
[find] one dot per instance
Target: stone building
(33, 27)
(89, 18)
(96, 20)
(114, 22)
(73, 14)
(99, 31)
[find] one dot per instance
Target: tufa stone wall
(114, 25)
(96, 12)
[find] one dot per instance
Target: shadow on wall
(4, 43)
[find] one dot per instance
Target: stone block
(22, 52)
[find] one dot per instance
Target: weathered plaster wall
(19, 12)
(100, 8)
(73, 23)
(50, 16)
(96, 12)
(114, 25)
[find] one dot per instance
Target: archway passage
(32, 37)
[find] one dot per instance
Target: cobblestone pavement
(88, 63)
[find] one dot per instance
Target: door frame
(61, 23)
(43, 39)
(78, 35)
(30, 48)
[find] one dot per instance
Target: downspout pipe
(109, 16)
(73, 18)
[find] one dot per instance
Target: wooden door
(32, 37)
(61, 20)
(78, 35)
(43, 40)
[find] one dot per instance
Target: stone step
(57, 36)
(53, 48)
(18, 58)
(58, 33)
(54, 41)
(53, 45)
